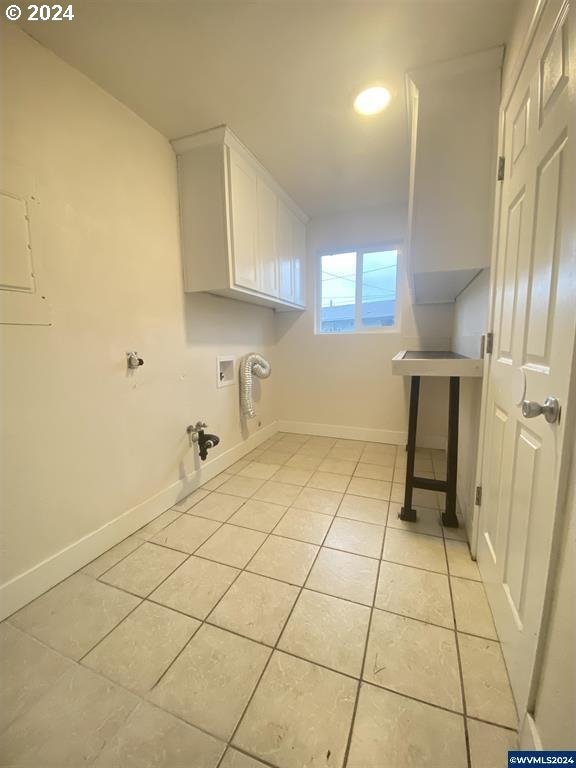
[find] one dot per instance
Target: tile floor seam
(122, 687)
(301, 588)
(419, 568)
(245, 752)
(142, 542)
(218, 738)
(189, 556)
(415, 698)
(491, 722)
(414, 618)
(142, 599)
(204, 620)
(459, 660)
(275, 647)
(251, 573)
(365, 653)
(171, 549)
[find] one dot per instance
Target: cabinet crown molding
(224, 135)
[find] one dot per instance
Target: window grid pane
(338, 293)
(379, 288)
(358, 291)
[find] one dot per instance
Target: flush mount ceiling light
(372, 100)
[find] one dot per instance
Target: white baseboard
(359, 433)
(26, 586)
(528, 737)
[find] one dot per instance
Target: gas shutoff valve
(133, 360)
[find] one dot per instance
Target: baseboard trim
(25, 587)
(529, 738)
(359, 433)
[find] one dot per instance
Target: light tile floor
(280, 616)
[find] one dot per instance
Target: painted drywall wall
(83, 442)
(470, 323)
(346, 379)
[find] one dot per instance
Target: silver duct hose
(251, 365)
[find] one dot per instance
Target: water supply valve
(205, 441)
(133, 360)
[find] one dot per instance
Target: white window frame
(393, 245)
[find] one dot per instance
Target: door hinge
(489, 344)
(478, 496)
(501, 168)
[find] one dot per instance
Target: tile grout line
(204, 620)
(308, 589)
(189, 555)
(146, 598)
(459, 660)
(142, 599)
(364, 655)
(144, 700)
(275, 647)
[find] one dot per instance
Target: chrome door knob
(550, 410)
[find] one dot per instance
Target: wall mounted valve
(205, 441)
(133, 360)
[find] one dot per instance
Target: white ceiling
(282, 74)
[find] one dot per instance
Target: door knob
(550, 410)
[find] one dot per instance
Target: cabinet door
(243, 215)
(284, 246)
(299, 260)
(266, 226)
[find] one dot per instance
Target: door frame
(528, 733)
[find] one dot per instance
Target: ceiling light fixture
(372, 100)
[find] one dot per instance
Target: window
(357, 291)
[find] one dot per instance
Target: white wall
(470, 322)
(83, 442)
(346, 379)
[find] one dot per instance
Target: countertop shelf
(411, 363)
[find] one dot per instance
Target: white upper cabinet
(284, 220)
(299, 259)
(242, 236)
(267, 204)
(291, 244)
(454, 113)
(244, 221)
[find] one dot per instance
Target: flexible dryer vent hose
(251, 365)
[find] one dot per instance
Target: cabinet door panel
(267, 258)
(285, 257)
(243, 213)
(299, 260)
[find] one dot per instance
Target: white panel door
(534, 327)
(284, 245)
(299, 259)
(266, 241)
(244, 221)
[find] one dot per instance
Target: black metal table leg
(407, 513)
(449, 517)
